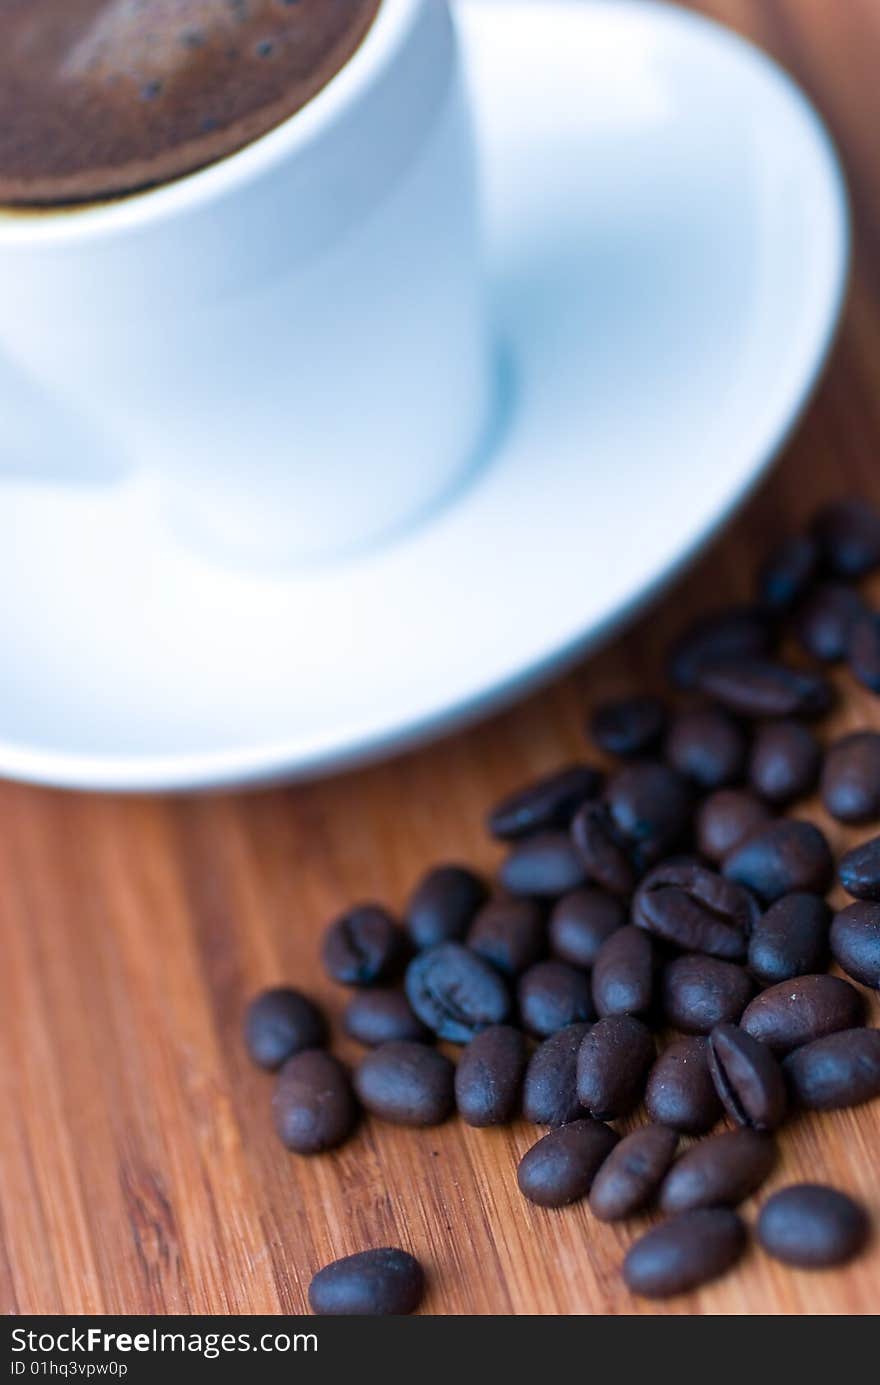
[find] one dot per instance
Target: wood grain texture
(139, 1169)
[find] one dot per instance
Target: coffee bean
(855, 942)
(550, 1087)
(407, 1083)
(629, 1179)
(851, 778)
(613, 1064)
(544, 865)
(561, 1167)
(707, 746)
(725, 819)
(443, 904)
(281, 1022)
(580, 923)
(699, 992)
(313, 1105)
(824, 621)
(680, 1091)
(604, 855)
(692, 907)
(859, 870)
(650, 808)
(787, 572)
(790, 939)
(489, 1077)
(784, 857)
(372, 1283)
(552, 995)
(747, 1078)
(812, 1226)
(546, 803)
(718, 1172)
(738, 631)
(623, 974)
(629, 725)
(455, 993)
(509, 933)
(684, 1253)
(798, 1011)
(377, 1016)
(785, 760)
(864, 650)
(363, 948)
(843, 1069)
(762, 688)
(848, 535)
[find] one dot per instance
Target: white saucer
(668, 239)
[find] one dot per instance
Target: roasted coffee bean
(725, 819)
(843, 1069)
(510, 933)
(612, 1066)
(680, 1092)
(785, 760)
(719, 1172)
(550, 1087)
(547, 803)
(790, 939)
(377, 1016)
(629, 1179)
(747, 1078)
(824, 621)
(851, 778)
(281, 1022)
(544, 865)
(738, 631)
(407, 1083)
(848, 535)
(443, 904)
(692, 907)
(685, 1252)
(373, 1283)
(313, 1106)
(552, 995)
(650, 807)
(605, 857)
(859, 870)
(812, 1226)
(864, 650)
(580, 923)
(623, 973)
(707, 746)
(561, 1167)
(855, 942)
(784, 857)
(364, 947)
(798, 1011)
(489, 1077)
(629, 725)
(762, 688)
(699, 992)
(787, 572)
(455, 993)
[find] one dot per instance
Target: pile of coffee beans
(657, 941)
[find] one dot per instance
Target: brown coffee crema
(102, 97)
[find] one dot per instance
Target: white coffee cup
(293, 341)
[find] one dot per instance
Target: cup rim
(67, 225)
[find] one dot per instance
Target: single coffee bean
(762, 688)
(372, 1283)
(650, 807)
(798, 1011)
(550, 1086)
(786, 856)
(407, 1083)
(681, 1254)
(561, 1167)
(785, 760)
(747, 1078)
(859, 870)
(613, 1064)
(855, 942)
(629, 726)
(509, 933)
(455, 993)
(364, 947)
(443, 904)
(552, 995)
(787, 572)
(790, 939)
(694, 908)
(812, 1226)
(313, 1105)
(580, 923)
(864, 650)
(605, 857)
(725, 819)
(680, 1092)
(843, 1069)
(707, 746)
(544, 865)
(623, 974)
(848, 536)
(738, 631)
(377, 1016)
(281, 1022)
(718, 1172)
(699, 992)
(629, 1179)
(489, 1077)
(851, 778)
(824, 621)
(546, 803)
